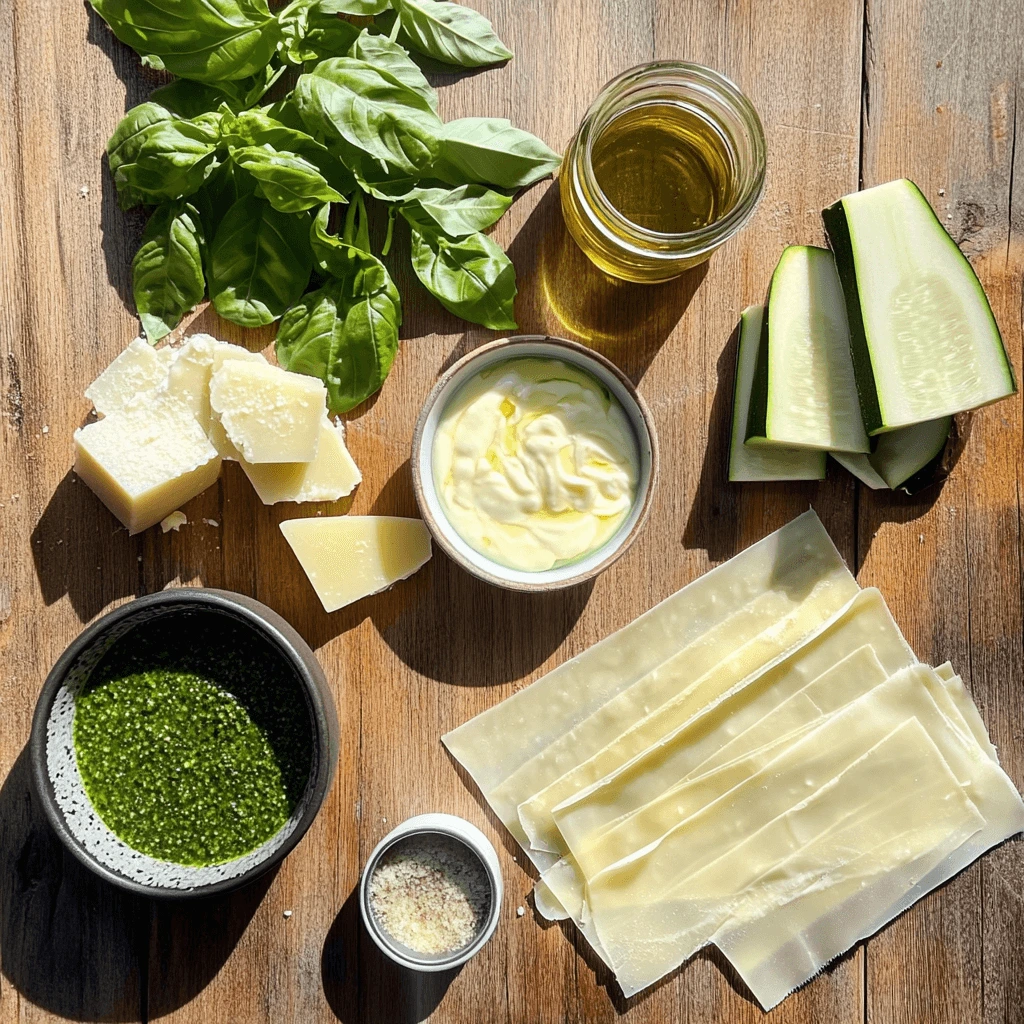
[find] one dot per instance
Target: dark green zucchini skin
(757, 418)
(838, 231)
(942, 465)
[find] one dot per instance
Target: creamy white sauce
(535, 463)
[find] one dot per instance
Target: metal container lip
(428, 500)
(309, 677)
(476, 843)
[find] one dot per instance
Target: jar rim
(696, 76)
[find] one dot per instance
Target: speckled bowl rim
(308, 673)
(464, 832)
(445, 535)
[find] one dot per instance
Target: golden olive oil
(664, 168)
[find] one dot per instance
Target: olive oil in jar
(665, 168)
(667, 165)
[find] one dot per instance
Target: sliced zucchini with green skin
(925, 342)
(804, 393)
(899, 454)
(746, 462)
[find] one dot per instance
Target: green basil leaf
(351, 101)
(332, 255)
(225, 186)
(154, 155)
(388, 56)
(491, 151)
(189, 99)
(457, 212)
(260, 262)
(288, 181)
(471, 277)
(345, 333)
(311, 30)
(207, 40)
(360, 8)
(167, 272)
(257, 128)
(450, 33)
(285, 112)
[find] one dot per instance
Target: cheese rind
(333, 474)
(136, 370)
(268, 414)
(145, 461)
(350, 557)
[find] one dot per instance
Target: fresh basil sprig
(260, 262)
(492, 151)
(167, 272)
(459, 211)
(350, 101)
(243, 193)
(154, 155)
(346, 332)
(206, 40)
(471, 276)
(450, 33)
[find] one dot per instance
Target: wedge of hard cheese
(349, 557)
(269, 414)
(331, 475)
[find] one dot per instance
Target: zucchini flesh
(925, 342)
(747, 463)
(804, 392)
(899, 454)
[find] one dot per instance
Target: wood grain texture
(847, 93)
(941, 91)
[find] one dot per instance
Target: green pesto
(196, 754)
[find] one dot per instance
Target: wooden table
(851, 94)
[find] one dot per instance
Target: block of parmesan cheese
(349, 557)
(147, 460)
(268, 414)
(137, 369)
(331, 475)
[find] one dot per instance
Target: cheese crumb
(287, 913)
(174, 521)
(520, 911)
(430, 893)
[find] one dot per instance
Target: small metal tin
(477, 844)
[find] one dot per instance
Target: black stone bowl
(251, 631)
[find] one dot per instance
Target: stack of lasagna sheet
(759, 762)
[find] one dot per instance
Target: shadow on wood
(489, 635)
(122, 229)
(441, 622)
(70, 943)
(192, 940)
(363, 986)
(626, 322)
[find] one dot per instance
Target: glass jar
(618, 245)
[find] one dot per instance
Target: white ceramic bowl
(432, 509)
(478, 844)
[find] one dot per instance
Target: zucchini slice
(804, 393)
(925, 342)
(899, 455)
(747, 463)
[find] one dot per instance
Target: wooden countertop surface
(850, 94)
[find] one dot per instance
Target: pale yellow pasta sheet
(681, 734)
